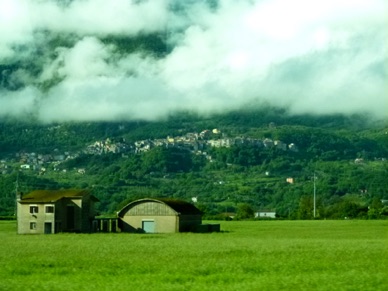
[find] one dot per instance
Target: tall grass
(276, 255)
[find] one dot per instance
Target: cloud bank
(317, 57)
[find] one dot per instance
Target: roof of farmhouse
(53, 195)
(179, 206)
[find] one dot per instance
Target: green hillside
(227, 170)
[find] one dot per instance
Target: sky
(316, 57)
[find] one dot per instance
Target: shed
(152, 215)
(52, 211)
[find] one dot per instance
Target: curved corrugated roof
(179, 206)
(52, 195)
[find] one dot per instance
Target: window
(33, 225)
(50, 209)
(34, 209)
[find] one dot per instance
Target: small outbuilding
(52, 211)
(152, 215)
(265, 214)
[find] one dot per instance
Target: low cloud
(320, 58)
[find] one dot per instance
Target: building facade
(53, 211)
(159, 216)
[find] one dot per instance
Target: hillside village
(220, 169)
(197, 143)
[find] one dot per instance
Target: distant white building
(265, 214)
(268, 143)
(290, 180)
(293, 147)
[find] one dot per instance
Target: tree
(245, 211)
(375, 209)
(305, 208)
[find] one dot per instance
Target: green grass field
(251, 255)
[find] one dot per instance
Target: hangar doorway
(148, 226)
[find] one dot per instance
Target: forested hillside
(240, 162)
(227, 104)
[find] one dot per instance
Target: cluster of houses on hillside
(34, 161)
(194, 142)
(107, 146)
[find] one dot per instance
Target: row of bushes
(7, 218)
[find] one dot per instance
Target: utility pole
(315, 191)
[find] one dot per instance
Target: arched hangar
(152, 215)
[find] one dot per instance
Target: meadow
(246, 255)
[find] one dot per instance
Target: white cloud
(103, 17)
(15, 26)
(103, 98)
(88, 58)
(19, 19)
(19, 104)
(314, 56)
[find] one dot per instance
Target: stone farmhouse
(53, 211)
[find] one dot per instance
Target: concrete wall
(25, 218)
(162, 224)
(79, 219)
